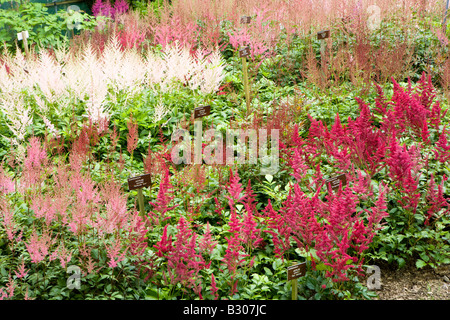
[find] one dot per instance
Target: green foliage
(45, 30)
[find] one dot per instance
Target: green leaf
(420, 263)
(424, 257)
(268, 271)
(401, 262)
(322, 267)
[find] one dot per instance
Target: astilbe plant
(183, 257)
(70, 207)
(362, 149)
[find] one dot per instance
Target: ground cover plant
(79, 119)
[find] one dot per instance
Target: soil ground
(410, 283)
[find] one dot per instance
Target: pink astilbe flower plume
(38, 246)
(6, 183)
(21, 270)
(7, 218)
(114, 255)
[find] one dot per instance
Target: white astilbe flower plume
(112, 58)
(46, 73)
(97, 86)
(213, 74)
(155, 68)
(18, 115)
(160, 112)
(180, 64)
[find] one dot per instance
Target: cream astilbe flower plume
(180, 65)
(160, 111)
(213, 74)
(131, 71)
(97, 86)
(112, 60)
(17, 114)
(155, 68)
(47, 74)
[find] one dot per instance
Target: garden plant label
(139, 182)
(335, 181)
(244, 52)
(202, 111)
(296, 271)
(323, 34)
(245, 19)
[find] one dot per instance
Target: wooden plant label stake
(202, 111)
(293, 273)
(243, 53)
(323, 35)
(24, 36)
(245, 19)
(138, 183)
(335, 181)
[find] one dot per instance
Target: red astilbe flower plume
(214, 288)
(368, 145)
(249, 199)
(184, 261)
(165, 244)
(442, 149)
(234, 188)
(207, 244)
(381, 103)
(251, 235)
(436, 115)
(425, 90)
(163, 199)
(298, 164)
(435, 199)
(401, 165)
(280, 231)
(132, 138)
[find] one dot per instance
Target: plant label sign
(139, 182)
(244, 52)
(245, 19)
(296, 271)
(323, 34)
(335, 181)
(22, 34)
(202, 111)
